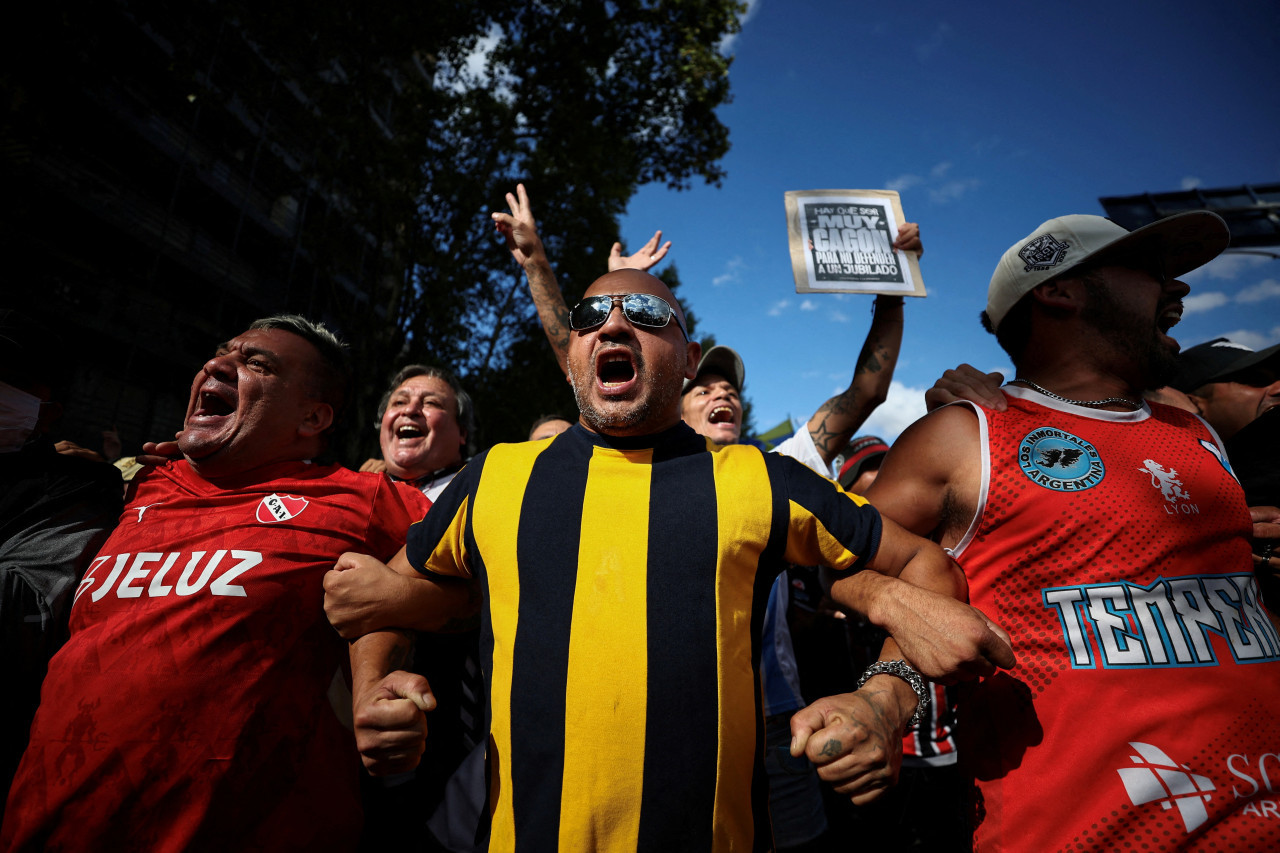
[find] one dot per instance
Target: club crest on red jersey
(275, 508)
(1060, 461)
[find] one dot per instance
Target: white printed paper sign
(842, 242)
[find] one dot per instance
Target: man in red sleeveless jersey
(1110, 537)
(190, 708)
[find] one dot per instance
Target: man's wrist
(878, 599)
(536, 261)
(904, 673)
(892, 697)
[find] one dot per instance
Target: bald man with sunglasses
(620, 659)
(711, 404)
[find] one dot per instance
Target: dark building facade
(157, 172)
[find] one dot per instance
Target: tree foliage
(418, 117)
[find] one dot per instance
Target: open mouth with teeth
(1169, 318)
(407, 431)
(722, 415)
(214, 403)
(615, 369)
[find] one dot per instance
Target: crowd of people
(1043, 613)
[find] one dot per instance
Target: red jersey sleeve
(395, 507)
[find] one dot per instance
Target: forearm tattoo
(551, 308)
(841, 415)
(401, 656)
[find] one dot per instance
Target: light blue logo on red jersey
(1060, 461)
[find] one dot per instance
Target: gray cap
(1176, 245)
(722, 361)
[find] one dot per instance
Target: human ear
(693, 354)
(1058, 293)
(316, 420)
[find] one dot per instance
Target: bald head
(625, 281)
(627, 359)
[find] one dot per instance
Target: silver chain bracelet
(902, 670)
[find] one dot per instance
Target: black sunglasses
(641, 309)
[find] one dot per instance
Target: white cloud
(838, 316)
(728, 43)
(903, 182)
(1190, 183)
(952, 190)
(1267, 289)
(1005, 370)
(808, 305)
(1227, 267)
(1198, 303)
(1250, 338)
(732, 272)
(777, 308)
(940, 191)
(903, 407)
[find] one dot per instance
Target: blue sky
(989, 119)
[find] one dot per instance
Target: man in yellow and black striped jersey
(621, 570)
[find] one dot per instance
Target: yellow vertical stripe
(606, 684)
(495, 523)
(745, 511)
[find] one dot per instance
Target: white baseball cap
(1176, 245)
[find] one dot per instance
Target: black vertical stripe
(547, 554)
(485, 655)
(682, 725)
(771, 564)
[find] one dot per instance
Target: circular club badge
(1060, 461)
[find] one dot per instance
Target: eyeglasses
(641, 309)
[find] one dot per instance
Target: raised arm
(838, 419)
(648, 256)
(521, 232)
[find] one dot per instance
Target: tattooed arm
(521, 231)
(837, 419)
